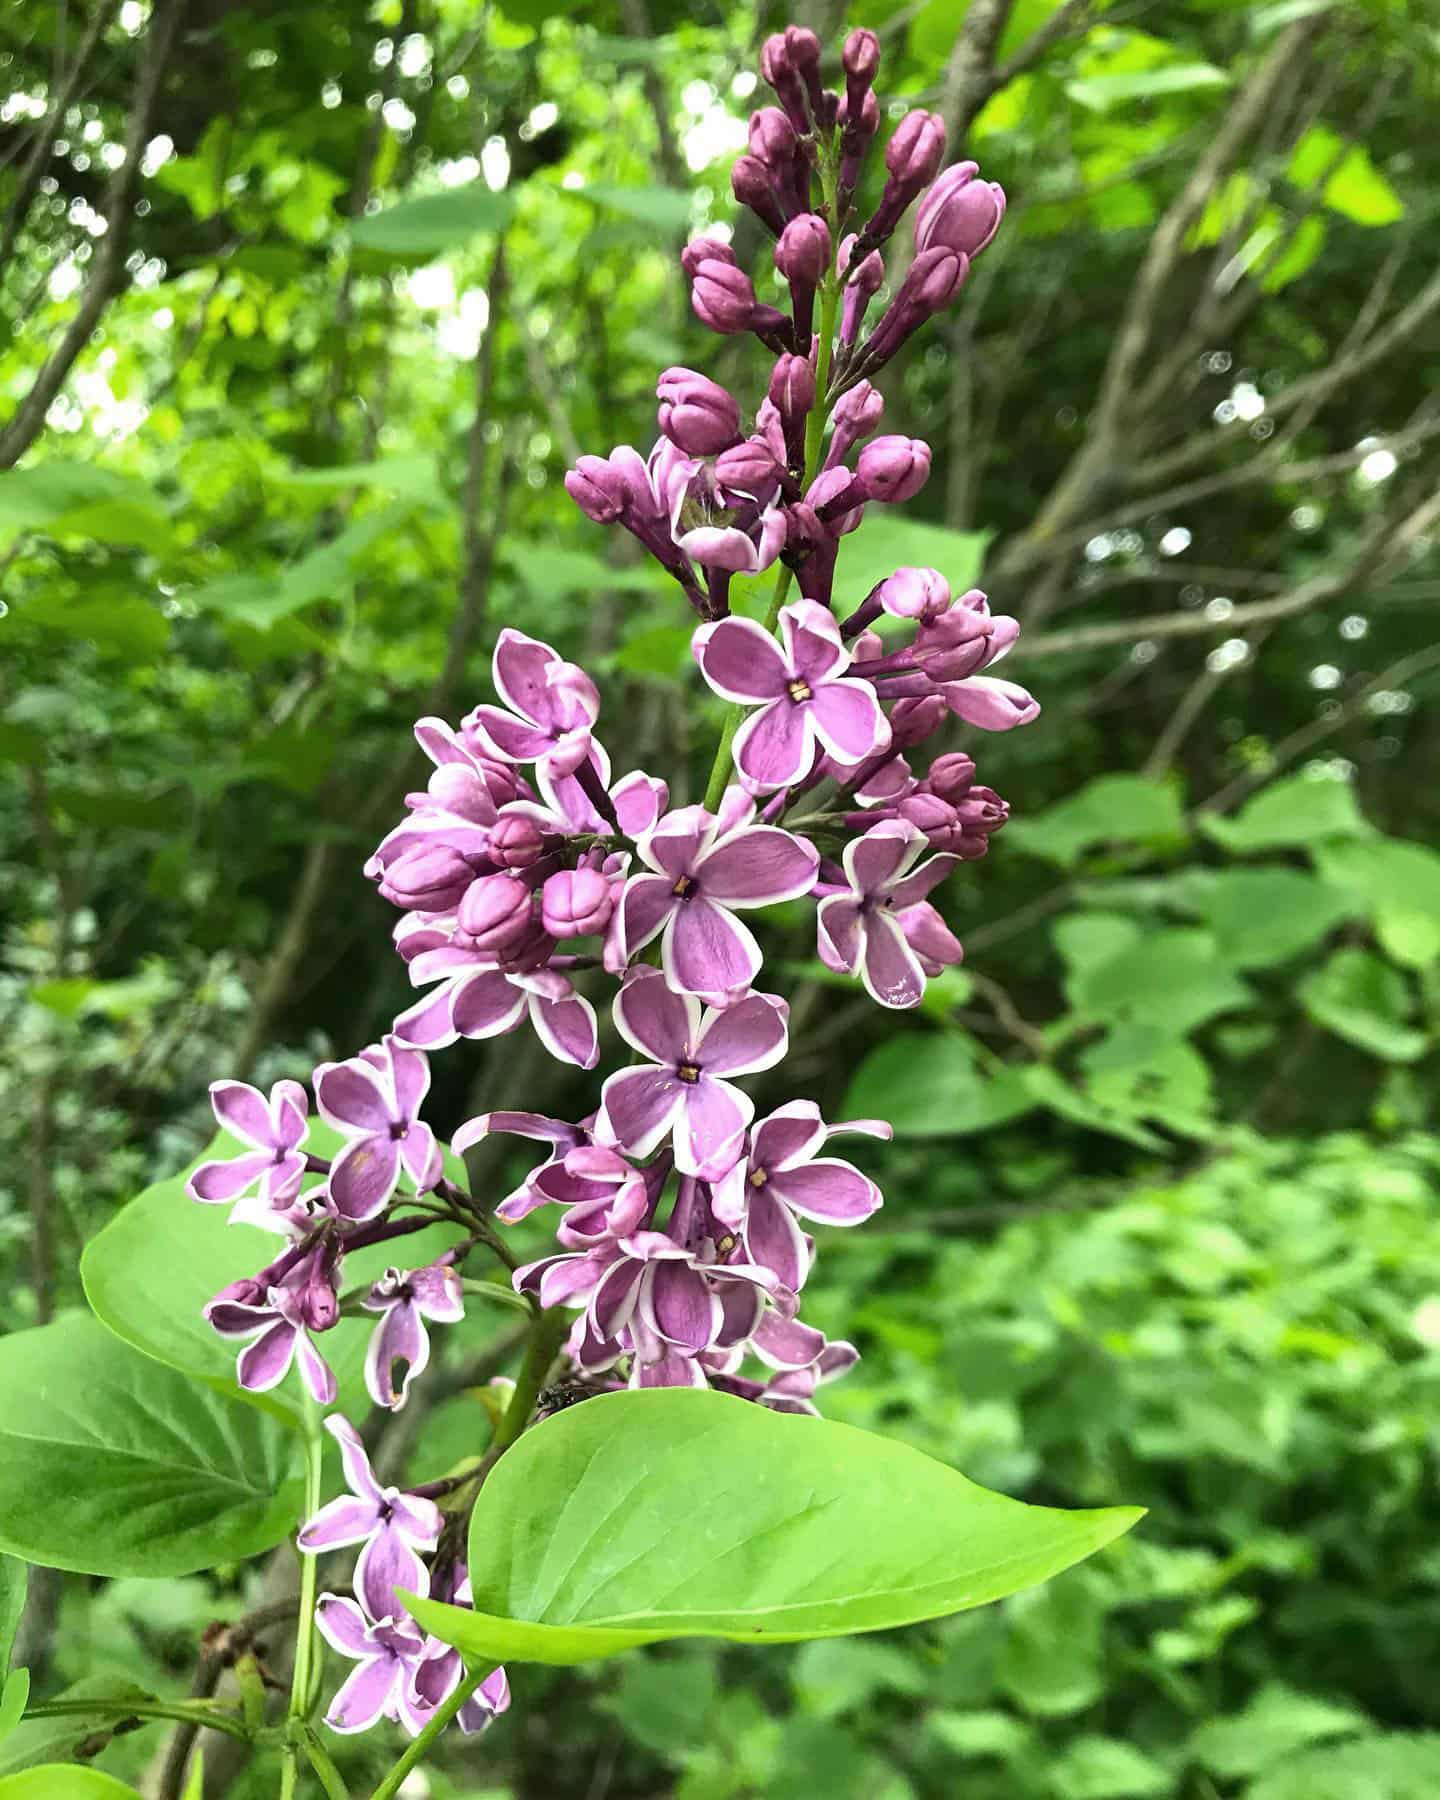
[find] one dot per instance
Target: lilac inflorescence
(525, 870)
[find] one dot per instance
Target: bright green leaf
(1290, 814)
(1112, 809)
(929, 1086)
(1352, 184)
(14, 1578)
(130, 1469)
(661, 208)
(1103, 1768)
(1276, 1723)
(433, 223)
(1261, 917)
(1398, 885)
(14, 1694)
(1099, 93)
(1366, 1002)
(60, 497)
(1394, 1766)
(793, 1529)
(64, 1781)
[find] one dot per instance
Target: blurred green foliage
(1160, 1222)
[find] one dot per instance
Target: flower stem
(301, 1675)
(417, 1751)
(188, 1712)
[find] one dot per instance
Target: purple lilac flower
(561, 1136)
(374, 1099)
(868, 926)
(438, 1672)
(552, 705)
(686, 1092)
(706, 865)
(479, 998)
(407, 1298)
(392, 1527)
(784, 1178)
(801, 692)
(274, 1165)
(388, 1654)
(278, 1320)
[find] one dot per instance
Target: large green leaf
(433, 223)
(1099, 93)
(638, 1517)
(119, 1466)
(155, 1301)
(1291, 814)
(1362, 999)
(1353, 186)
(1277, 1722)
(1397, 1766)
(1265, 916)
(1112, 809)
(1398, 885)
(14, 1578)
(63, 498)
(929, 1086)
(64, 1781)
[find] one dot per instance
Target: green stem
(301, 1677)
(417, 1751)
(546, 1336)
(185, 1713)
(328, 1775)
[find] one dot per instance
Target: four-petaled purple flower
(392, 1526)
(879, 925)
(374, 1099)
(274, 1165)
(278, 1319)
(389, 1653)
(407, 1298)
(686, 1092)
(801, 690)
(783, 1178)
(706, 865)
(552, 706)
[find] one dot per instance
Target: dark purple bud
(704, 249)
(803, 254)
(955, 646)
(780, 72)
(697, 415)
(749, 470)
(894, 469)
(576, 903)
(723, 297)
(792, 387)
(753, 184)
(598, 489)
(932, 282)
(861, 58)
(430, 878)
(930, 814)
(496, 913)
(804, 534)
(516, 842)
(859, 122)
(869, 646)
(915, 594)
(772, 138)
(857, 412)
(250, 1290)
(916, 150)
(912, 721)
(860, 288)
(959, 212)
(951, 775)
(318, 1305)
(803, 49)
(982, 809)
(838, 499)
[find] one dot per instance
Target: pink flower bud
(748, 470)
(496, 913)
(870, 274)
(792, 386)
(778, 68)
(914, 720)
(598, 489)
(697, 414)
(429, 878)
(802, 47)
(753, 184)
(930, 814)
(868, 646)
(723, 297)
(894, 468)
(803, 532)
(951, 775)
(516, 842)
(861, 56)
(704, 249)
(915, 594)
(772, 138)
(576, 903)
(959, 212)
(916, 150)
(803, 254)
(982, 809)
(934, 279)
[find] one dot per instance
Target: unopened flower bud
(754, 184)
(982, 809)
(803, 533)
(772, 138)
(803, 50)
(914, 720)
(860, 288)
(792, 386)
(576, 903)
(697, 415)
(959, 212)
(861, 57)
(723, 297)
(496, 913)
(930, 814)
(318, 1304)
(951, 775)
(704, 249)
(803, 253)
(867, 646)
(516, 842)
(915, 593)
(857, 412)
(598, 489)
(749, 470)
(894, 469)
(429, 878)
(778, 69)
(915, 150)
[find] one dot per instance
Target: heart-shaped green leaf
(119, 1466)
(155, 1301)
(677, 1513)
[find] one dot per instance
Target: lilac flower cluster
(524, 870)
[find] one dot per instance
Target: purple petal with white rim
(654, 1020)
(848, 720)
(342, 1625)
(828, 1190)
(774, 1240)
(367, 1696)
(352, 1097)
(217, 1182)
(364, 1175)
(242, 1111)
(813, 647)
(775, 747)
(839, 938)
(486, 1004)
(708, 951)
(744, 1038)
(638, 1106)
(567, 1028)
(388, 1562)
(759, 867)
(913, 888)
(882, 855)
(889, 968)
(343, 1521)
(740, 660)
(710, 1128)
